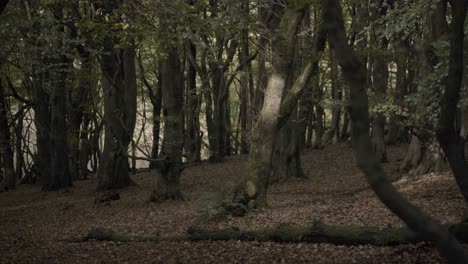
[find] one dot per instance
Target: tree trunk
(244, 83)
(312, 95)
(378, 123)
(252, 190)
(424, 155)
(380, 83)
(344, 130)
(6, 153)
(19, 164)
(333, 133)
(210, 125)
(193, 134)
(396, 130)
(157, 106)
(286, 161)
(337, 97)
(319, 115)
(166, 182)
(220, 93)
(119, 89)
(60, 176)
(447, 134)
(354, 73)
(78, 99)
(85, 146)
(42, 122)
(285, 233)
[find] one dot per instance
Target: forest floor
(34, 224)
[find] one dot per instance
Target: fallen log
(318, 233)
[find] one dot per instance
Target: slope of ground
(33, 224)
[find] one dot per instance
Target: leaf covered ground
(35, 224)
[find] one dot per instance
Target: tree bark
(309, 100)
(156, 103)
(42, 122)
(245, 99)
(85, 141)
(447, 134)
(3, 5)
(19, 163)
(252, 189)
(208, 96)
(60, 176)
(285, 233)
(193, 134)
(332, 134)
(380, 83)
(78, 99)
(6, 153)
(396, 131)
(119, 88)
(354, 73)
(166, 182)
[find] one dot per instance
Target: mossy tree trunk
(252, 189)
(269, 15)
(286, 159)
(354, 73)
(285, 233)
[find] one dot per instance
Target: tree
(166, 183)
(252, 189)
(353, 71)
(424, 153)
(448, 132)
(59, 176)
(6, 153)
(119, 90)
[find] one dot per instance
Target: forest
(247, 131)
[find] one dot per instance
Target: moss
(250, 189)
(286, 232)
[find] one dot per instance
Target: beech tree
(252, 189)
(119, 90)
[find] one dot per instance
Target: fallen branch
(318, 233)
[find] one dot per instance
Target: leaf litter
(34, 224)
